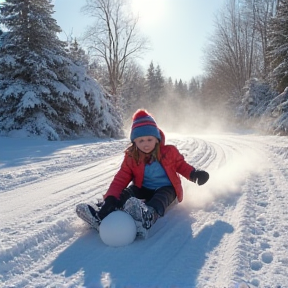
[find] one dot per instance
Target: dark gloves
(199, 176)
(125, 195)
(111, 203)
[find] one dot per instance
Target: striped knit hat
(143, 125)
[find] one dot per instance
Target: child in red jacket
(153, 169)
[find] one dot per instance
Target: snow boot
(141, 212)
(149, 217)
(89, 213)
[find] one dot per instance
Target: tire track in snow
(255, 222)
(221, 209)
(48, 232)
(196, 151)
(254, 211)
(26, 172)
(47, 236)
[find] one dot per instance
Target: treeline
(246, 68)
(59, 89)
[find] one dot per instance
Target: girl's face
(146, 143)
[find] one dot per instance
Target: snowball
(117, 229)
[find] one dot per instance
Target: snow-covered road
(231, 231)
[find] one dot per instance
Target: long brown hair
(138, 155)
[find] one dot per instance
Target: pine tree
(42, 91)
(194, 87)
(150, 83)
(78, 54)
(159, 79)
(278, 47)
(181, 89)
(2, 35)
(154, 84)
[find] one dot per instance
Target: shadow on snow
(16, 152)
(172, 257)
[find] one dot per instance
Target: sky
(178, 31)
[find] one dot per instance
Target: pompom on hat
(143, 125)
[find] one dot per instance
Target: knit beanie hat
(143, 125)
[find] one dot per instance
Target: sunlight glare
(149, 11)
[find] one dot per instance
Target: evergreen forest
(91, 86)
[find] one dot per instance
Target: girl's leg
(161, 199)
(134, 191)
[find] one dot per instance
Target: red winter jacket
(171, 160)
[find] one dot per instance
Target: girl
(153, 168)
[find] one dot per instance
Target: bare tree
(133, 89)
(259, 13)
(238, 47)
(113, 39)
(225, 60)
(278, 48)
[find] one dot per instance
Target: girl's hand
(199, 176)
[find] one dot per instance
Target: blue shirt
(155, 176)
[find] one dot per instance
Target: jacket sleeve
(121, 180)
(182, 167)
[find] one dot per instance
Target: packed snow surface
(230, 232)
